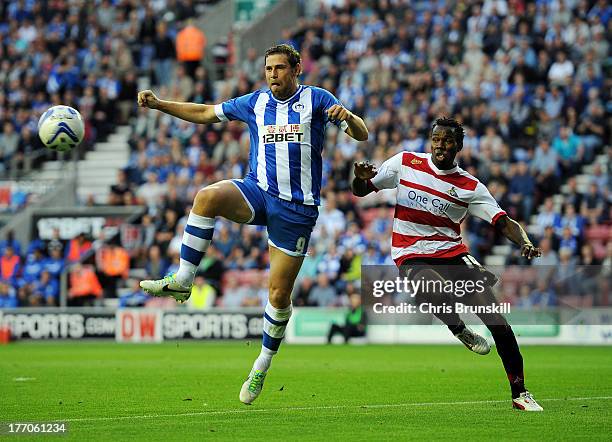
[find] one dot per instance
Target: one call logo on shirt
(287, 133)
(434, 205)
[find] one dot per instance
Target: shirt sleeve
(388, 174)
(484, 206)
(327, 100)
(235, 109)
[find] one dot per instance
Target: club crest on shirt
(452, 192)
(298, 107)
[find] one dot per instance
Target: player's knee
(208, 198)
(279, 296)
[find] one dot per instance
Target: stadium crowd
(527, 79)
(85, 54)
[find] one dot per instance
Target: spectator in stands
(9, 142)
(33, 266)
(85, 287)
(572, 220)
(569, 149)
(565, 275)
(573, 196)
(543, 296)
(545, 167)
(350, 267)
(135, 297)
(234, 294)
(156, 265)
(152, 191)
(590, 270)
(547, 261)
(322, 294)
(55, 263)
(252, 66)
(252, 297)
(45, 291)
(331, 219)
(568, 241)
(592, 129)
(113, 264)
(548, 216)
(561, 71)
(203, 295)
(8, 295)
(10, 241)
(56, 242)
(190, 45)
(175, 261)
(224, 242)
(120, 188)
(164, 54)
(600, 178)
(10, 265)
(77, 248)
(354, 322)
(302, 292)
(522, 189)
(593, 204)
(524, 301)
(227, 147)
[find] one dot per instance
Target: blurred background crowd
(529, 80)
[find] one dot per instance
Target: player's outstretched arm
(515, 233)
(356, 126)
(193, 112)
(363, 171)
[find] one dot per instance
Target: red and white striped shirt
(431, 204)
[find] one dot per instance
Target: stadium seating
(400, 68)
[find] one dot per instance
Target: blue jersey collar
(297, 92)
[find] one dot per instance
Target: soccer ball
(61, 128)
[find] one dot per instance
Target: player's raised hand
(148, 99)
(364, 170)
(529, 251)
(339, 113)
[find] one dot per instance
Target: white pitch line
(322, 407)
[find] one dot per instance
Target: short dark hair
(293, 56)
(455, 125)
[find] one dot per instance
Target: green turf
(122, 392)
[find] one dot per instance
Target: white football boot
(526, 402)
(474, 342)
(252, 386)
(167, 286)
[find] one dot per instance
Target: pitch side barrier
(131, 325)
(590, 326)
(308, 325)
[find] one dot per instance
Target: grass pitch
(189, 391)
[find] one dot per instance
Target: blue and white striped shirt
(287, 139)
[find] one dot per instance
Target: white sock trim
(202, 222)
(279, 314)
